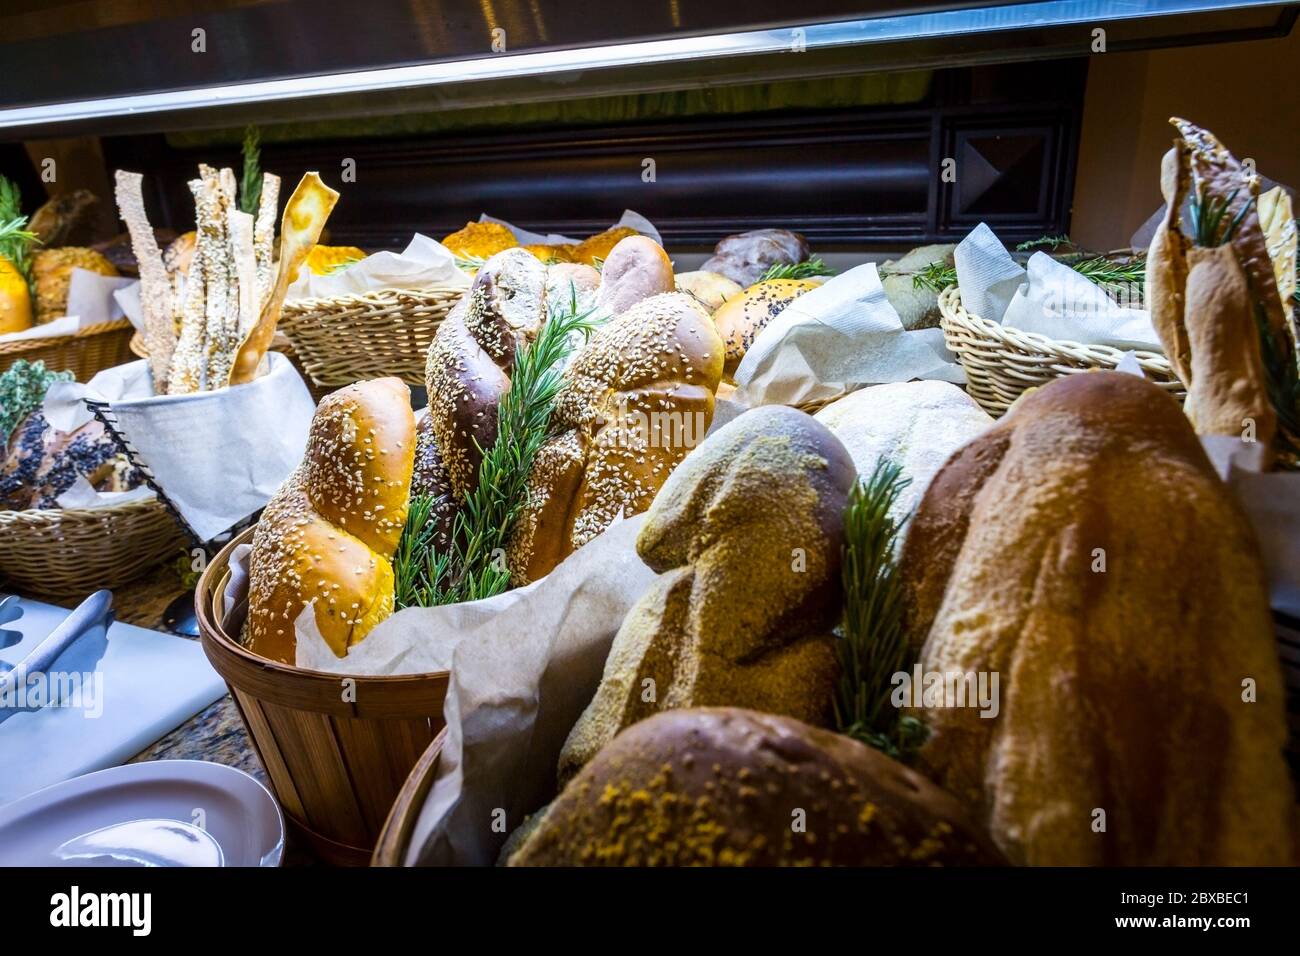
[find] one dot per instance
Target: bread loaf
(595, 249)
(468, 364)
(636, 269)
(742, 317)
(480, 240)
(744, 257)
(730, 787)
(1209, 296)
(1084, 550)
(329, 533)
(916, 425)
(711, 288)
(636, 399)
(41, 463)
(746, 535)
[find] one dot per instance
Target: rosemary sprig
(1045, 242)
(1207, 216)
(16, 240)
(470, 263)
(250, 186)
(808, 269)
(475, 567)
(873, 645)
(937, 276)
(341, 265)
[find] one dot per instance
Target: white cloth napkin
(838, 337)
(220, 455)
(1049, 298)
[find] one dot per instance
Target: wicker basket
(336, 761)
(1002, 362)
(68, 553)
(368, 335)
(84, 352)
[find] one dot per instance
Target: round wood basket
(367, 335)
(69, 552)
(395, 838)
(337, 749)
(84, 352)
(1002, 362)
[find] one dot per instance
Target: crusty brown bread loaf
(730, 787)
(329, 533)
(468, 364)
(636, 269)
(742, 317)
(1206, 301)
(636, 399)
(745, 256)
(1085, 550)
(746, 535)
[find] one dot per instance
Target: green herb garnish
(22, 389)
(808, 269)
(937, 276)
(341, 265)
(1208, 218)
(873, 645)
(470, 263)
(250, 186)
(16, 240)
(1045, 242)
(475, 567)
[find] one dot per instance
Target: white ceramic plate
(158, 813)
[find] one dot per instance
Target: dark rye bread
(1121, 683)
(746, 535)
(730, 787)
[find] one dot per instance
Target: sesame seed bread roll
(636, 269)
(743, 316)
(746, 536)
(329, 533)
(722, 786)
(633, 403)
(467, 368)
(1085, 550)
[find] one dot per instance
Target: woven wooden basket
(1002, 362)
(368, 335)
(83, 353)
(336, 760)
(69, 552)
(395, 838)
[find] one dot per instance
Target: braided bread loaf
(329, 533)
(638, 397)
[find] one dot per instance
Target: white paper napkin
(423, 263)
(838, 337)
(220, 455)
(1049, 298)
(630, 218)
(90, 302)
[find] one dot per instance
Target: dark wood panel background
(868, 177)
